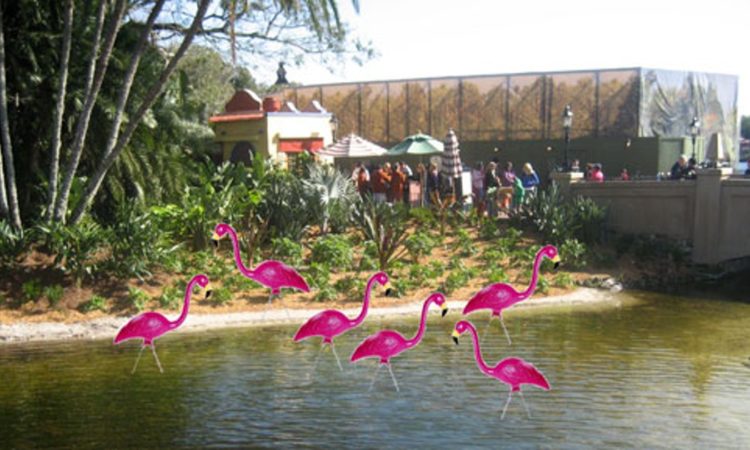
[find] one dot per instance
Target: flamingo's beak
(556, 260)
(444, 308)
(209, 291)
(388, 289)
(215, 239)
(455, 336)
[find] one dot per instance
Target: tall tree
(9, 203)
(59, 108)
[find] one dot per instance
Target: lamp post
(567, 118)
(334, 126)
(695, 130)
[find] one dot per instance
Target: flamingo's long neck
(478, 352)
(237, 256)
(422, 325)
(365, 304)
(185, 304)
(534, 277)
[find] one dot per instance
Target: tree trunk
(59, 110)
(95, 76)
(9, 185)
(127, 82)
(101, 170)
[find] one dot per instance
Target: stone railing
(712, 211)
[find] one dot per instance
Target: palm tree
(334, 191)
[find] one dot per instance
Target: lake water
(652, 372)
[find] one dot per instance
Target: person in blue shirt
(529, 178)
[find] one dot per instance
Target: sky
(431, 38)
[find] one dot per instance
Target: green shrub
(75, 247)
(137, 298)
(456, 279)
(573, 254)
(488, 229)
(12, 243)
(542, 285)
(326, 293)
(95, 303)
(591, 219)
(170, 298)
(31, 290)
(346, 285)
(420, 244)
(564, 280)
(221, 296)
(54, 294)
(463, 243)
(492, 256)
(424, 217)
(333, 196)
(333, 250)
(402, 286)
(318, 276)
(386, 226)
(287, 250)
(497, 275)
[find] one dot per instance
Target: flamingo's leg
(317, 358)
(505, 408)
(528, 413)
(138, 359)
(375, 377)
(393, 377)
(338, 361)
(505, 330)
(158, 363)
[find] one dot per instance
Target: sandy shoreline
(107, 327)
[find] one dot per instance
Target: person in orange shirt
(381, 180)
(398, 181)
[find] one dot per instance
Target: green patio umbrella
(417, 144)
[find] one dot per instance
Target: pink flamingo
(386, 344)
(272, 274)
(512, 371)
(500, 296)
(331, 323)
(151, 325)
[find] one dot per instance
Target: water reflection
(656, 371)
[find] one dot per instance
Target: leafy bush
(221, 296)
(497, 275)
(287, 250)
(137, 243)
(402, 286)
(333, 250)
(420, 244)
(95, 303)
(564, 280)
(458, 279)
(347, 285)
(464, 244)
(369, 259)
(137, 298)
(488, 229)
(542, 285)
(573, 253)
(386, 226)
(12, 243)
(424, 217)
(325, 293)
(76, 247)
(170, 298)
(591, 219)
(31, 290)
(318, 275)
(54, 294)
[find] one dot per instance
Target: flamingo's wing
(517, 372)
(495, 297)
(145, 326)
(383, 344)
(327, 324)
(280, 275)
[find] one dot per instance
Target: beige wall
(713, 211)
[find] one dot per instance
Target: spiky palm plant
(335, 193)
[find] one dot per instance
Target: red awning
(298, 145)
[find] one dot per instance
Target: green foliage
(137, 244)
(368, 261)
(559, 220)
(324, 294)
(137, 298)
(564, 280)
(386, 226)
(523, 257)
(333, 250)
(221, 296)
(458, 279)
(497, 274)
(347, 285)
(464, 244)
(54, 293)
(653, 248)
(420, 244)
(95, 303)
(423, 217)
(542, 285)
(12, 243)
(31, 290)
(287, 250)
(333, 196)
(402, 286)
(573, 253)
(287, 205)
(318, 276)
(745, 127)
(488, 229)
(76, 247)
(170, 298)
